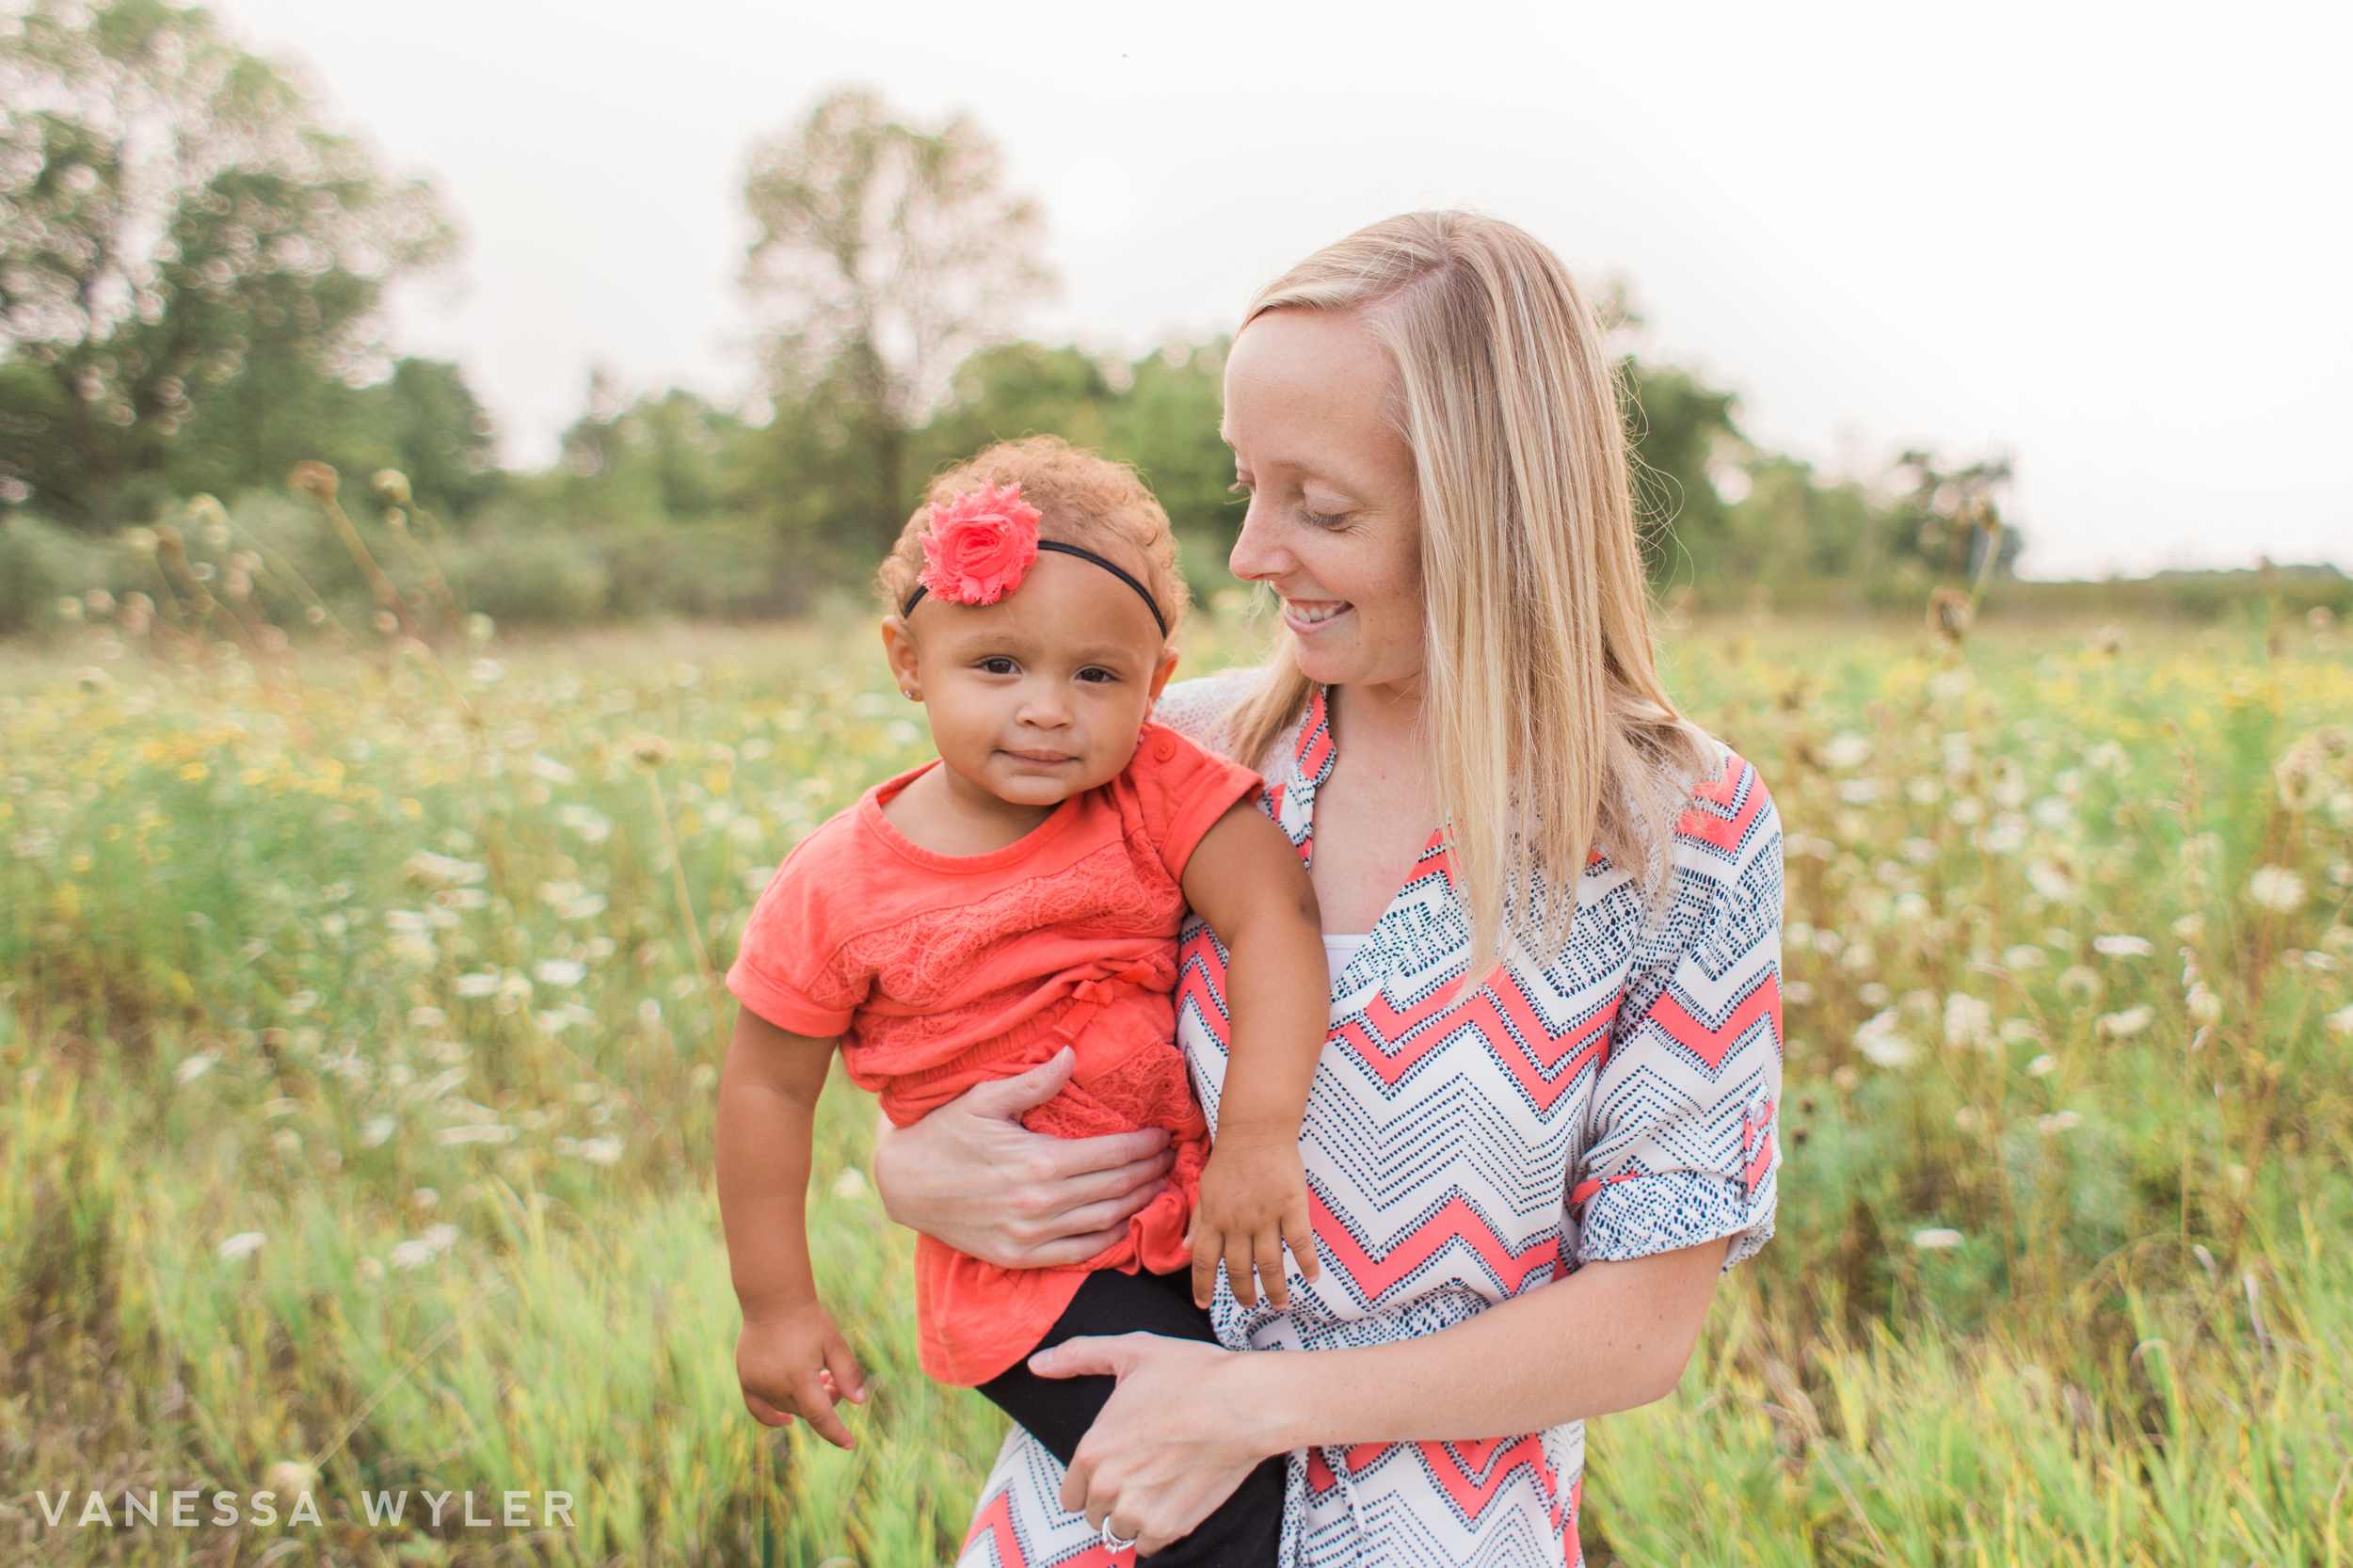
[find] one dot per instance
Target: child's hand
(795, 1363)
(1253, 1203)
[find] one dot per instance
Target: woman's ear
(906, 664)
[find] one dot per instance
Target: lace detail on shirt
(1198, 708)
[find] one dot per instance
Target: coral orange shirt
(941, 972)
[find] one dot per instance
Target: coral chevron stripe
(1726, 833)
(1450, 1222)
(996, 1520)
(1711, 1044)
(1464, 1483)
(1544, 1064)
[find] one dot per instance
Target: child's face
(1039, 695)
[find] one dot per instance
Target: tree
(184, 249)
(887, 255)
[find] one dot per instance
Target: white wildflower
(1968, 1021)
(2042, 1067)
(476, 1133)
(1847, 749)
(1936, 1241)
(2025, 955)
(411, 1254)
(1880, 1041)
(2340, 1022)
(2018, 1032)
(243, 1244)
(2057, 1122)
(483, 984)
(589, 824)
(600, 1151)
(2123, 947)
(2124, 1025)
(549, 768)
(376, 1131)
(446, 870)
(2005, 834)
(558, 971)
(193, 1067)
(2276, 889)
(2201, 1004)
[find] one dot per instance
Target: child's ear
(1167, 668)
(906, 666)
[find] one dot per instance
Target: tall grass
(400, 958)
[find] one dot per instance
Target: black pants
(1247, 1527)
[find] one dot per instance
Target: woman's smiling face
(1334, 522)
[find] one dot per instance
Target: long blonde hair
(1549, 730)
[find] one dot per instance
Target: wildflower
(2018, 1032)
(302, 1001)
(589, 824)
(1968, 1021)
(2190, 927)
(391, 487)
(2202, 1005)
(2059, 1121)
(2124, 1025)
(475, 1132)
(2340, 1022)
(546, 767)
(2276, 889)
(483, 984)
(426, 1018)
(314, 479)
(2054, 815)
(1847, 749)
(1920, 852)
(2054, 882)
(2005, 834)
(2079, 981)
(243, 1244)
(1936, 1241)
(2042, 1067)
(479, 627)
(2121, 946)
(194, 1067)
(2025, 955)
(851, 1183)
(600, 1151)
(558, 971)
(411, 1254)
(651, 750)
(376, 1131)
(1879, 1041)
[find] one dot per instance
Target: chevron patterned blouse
(1614, 1102)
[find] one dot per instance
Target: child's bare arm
(1246, 880)
(790, 1359)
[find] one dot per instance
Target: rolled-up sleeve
(1683, 1148)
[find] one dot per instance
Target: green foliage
(191, 273)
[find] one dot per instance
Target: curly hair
(1081, 498)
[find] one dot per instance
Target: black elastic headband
(1059, 549)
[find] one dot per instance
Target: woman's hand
(1173, 1441)
(971, 1176)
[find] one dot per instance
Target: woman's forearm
(1609, 1338)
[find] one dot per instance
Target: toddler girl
(1021, 894)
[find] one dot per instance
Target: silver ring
(1113, 1542)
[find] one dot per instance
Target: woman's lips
(1306, 617)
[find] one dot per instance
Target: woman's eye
(1322, 520)
(997, 666)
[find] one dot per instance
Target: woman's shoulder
(1198, 708)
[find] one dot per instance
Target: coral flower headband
(983, 543)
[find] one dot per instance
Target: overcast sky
(2111, 240)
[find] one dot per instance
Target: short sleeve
(1181, 789)
(1683, 1148)
(788, 968)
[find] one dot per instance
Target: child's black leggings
(1248, 1525)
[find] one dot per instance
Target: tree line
(193, 274)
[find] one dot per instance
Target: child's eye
(998, 665)
(1096, 674)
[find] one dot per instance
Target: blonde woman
(1543, 1121)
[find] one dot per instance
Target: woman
(1555, 1046)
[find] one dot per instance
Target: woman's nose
(1256, 554)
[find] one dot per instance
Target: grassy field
(361, 1025)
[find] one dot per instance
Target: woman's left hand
(1173, 1441)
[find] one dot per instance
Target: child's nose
(1044, 708)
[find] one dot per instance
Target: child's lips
(1043, 759)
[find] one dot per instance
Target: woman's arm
(970, 1174)
(1188, 1422)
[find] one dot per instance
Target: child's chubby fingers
(764, 1413)
(1239, 1267)
(1300, 1236)
(1206, 1246)
(814, 1399)
(1266, 1250)
(844, 1379)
